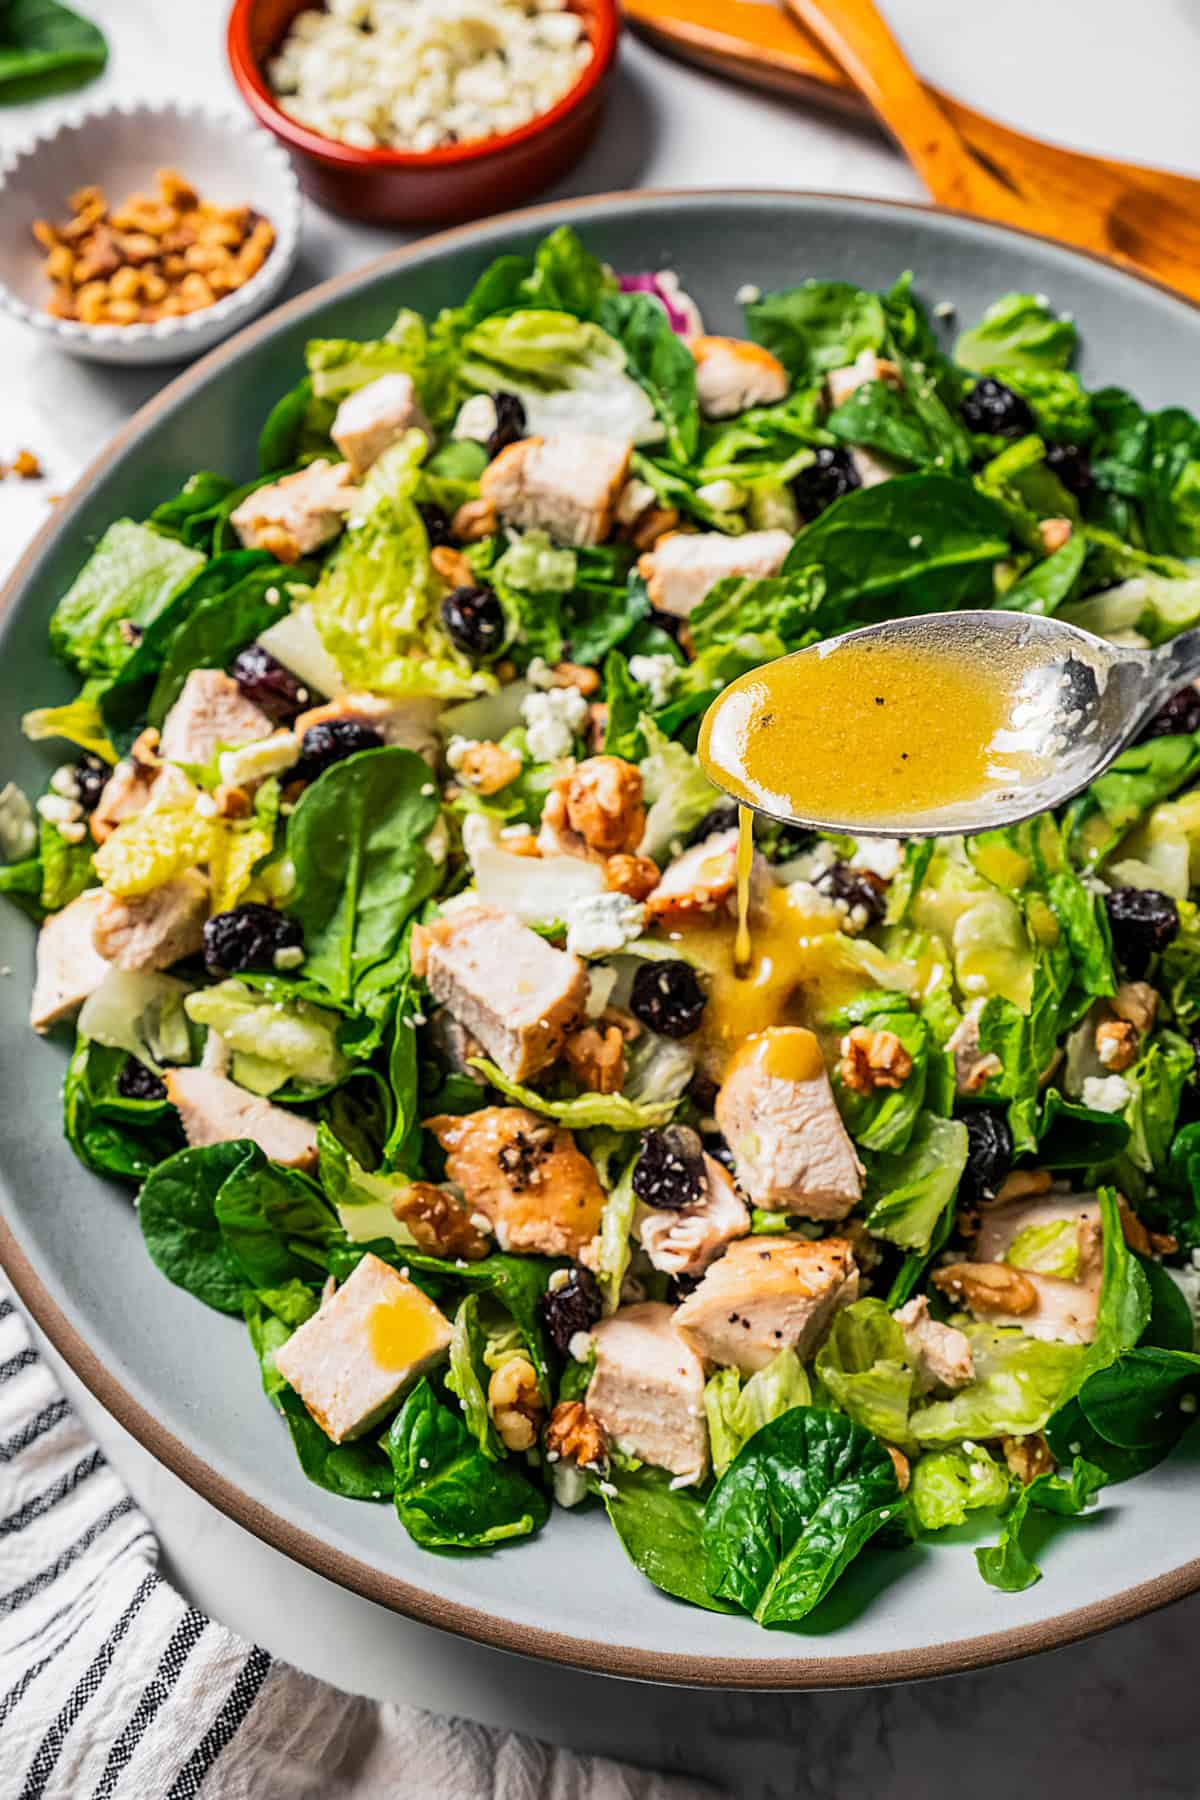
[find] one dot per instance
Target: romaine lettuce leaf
(947, 1484)
(1019, 1381)
(131, 576)
(865, 1367)
(569, 374)
(737, 1407)
(911, 1191)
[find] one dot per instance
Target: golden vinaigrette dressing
(869, 734)
(401, 1331)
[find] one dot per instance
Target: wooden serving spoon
(1147, 218)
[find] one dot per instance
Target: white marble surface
(1113, 1718)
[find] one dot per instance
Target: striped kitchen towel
(111, 1685)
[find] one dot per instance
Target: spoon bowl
(1077, 701)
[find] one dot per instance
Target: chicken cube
(732, 374)
(778, 1115)
(411, 724)
(211, 713)
(1056, 1228)
(126, 792)
(154, 930)
(567, 485)
(374, 417)
(941, 1354)
(684, 565)
(768, 1294)
(69, 967)
(841, 383)
(511, 989)
(358, 1352)
(214, 1110)
(647, 1390)
(699, 881)
(525, 1176)
(684, 1240)
(297, 514)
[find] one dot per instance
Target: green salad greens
(394, 920)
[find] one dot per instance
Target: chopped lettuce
(581, 1111)
(737, 1406)
(677, 791)
(568, 374)
(275, 1043)
(947, 1484)
(910, 1191)
(864, 1366)
(1018, 1383)
(131, 576)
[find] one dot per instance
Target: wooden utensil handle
(856, 34)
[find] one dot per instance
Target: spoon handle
(1177, 663)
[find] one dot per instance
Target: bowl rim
(796, 1672)
(262, 102)
(224, 312)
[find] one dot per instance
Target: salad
(393, 919)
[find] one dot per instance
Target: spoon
(1078, 702)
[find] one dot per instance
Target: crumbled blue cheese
(256, 761)
(1106, 1093)
(65, 781)
(882, 856)
(748, 294)
(552, 721)
(456, 750)
(539, 674)
(416, 74)
(635, 498)
(723, 496)
(601, 924)
(657, 674)
(476, 419)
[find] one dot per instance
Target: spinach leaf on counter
(448, 1494)
(793, 1510)
(45, 48)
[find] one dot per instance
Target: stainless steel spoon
(1083, 700)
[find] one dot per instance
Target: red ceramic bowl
(392, 187)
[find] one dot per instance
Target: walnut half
(987, 1287)
(873, 1059)
(515, 1403)
(573, 1435)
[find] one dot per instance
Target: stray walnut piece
(873, 1059)
(573, 1435)
(151, 258)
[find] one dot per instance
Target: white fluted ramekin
(119, 148)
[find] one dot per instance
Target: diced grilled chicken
(409, 724)
(685, 1240)
(941, 1354)
(525, 1175)
(841, 383)
(768, 1294)
(124, 794)
(154, 930)
(211, 711)
(972, 1068)
(1064, 1310)
(362, 1347)
(647, 1390)
(732, 374)
(777, 1113)
(296, 515)
(684, 565)
(69, 967)
(567, 485)
(703, 879)
(213, 1110)
(511, 989)
(372, 419)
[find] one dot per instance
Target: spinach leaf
(45, 48)
(1170, 1326)
(1008, 1564)
(793, 1510)
(358, 1470)
(659, 361)
(1017, 333)
(189, 514)
(132, 575)
(917, 543)
(566, 277)
(279, 441)
(1072, 1136)
(819, 326)
(273, 1222)
(1146, 1399)
(1136, 781)
(21, 882)
(661, 1532)
(449, 1495)
(1147, 468)
(357, 840)
(108, 1133)
(1049, 583)
(177, 1209)
(1124, 1309)
(908, 425)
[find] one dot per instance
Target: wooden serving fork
(842, 50)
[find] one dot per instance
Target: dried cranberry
(573, 1306)
(989, 1154)
(91, 774)
(331, 742)
(271, 687)
(510, 422)
(857, 887)
(994, 409)
(1180, 714)
(137, 1082)
(668, 998)
(247, 937)
(830, 475)
(436, 523)
(680, 1286)
(722, 817)
(1142, 922)
(716, 1147)
(669, 1171)
(1072, 467)
(474, 621)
